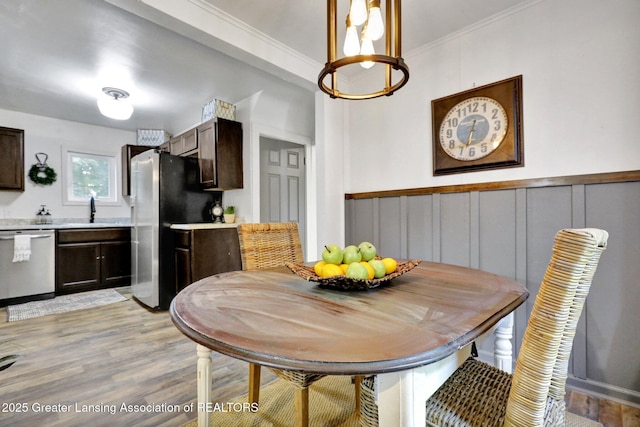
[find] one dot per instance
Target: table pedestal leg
(401, 396)
(502, 347)
(204, 385)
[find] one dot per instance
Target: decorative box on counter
(152, 137)
(218, 108)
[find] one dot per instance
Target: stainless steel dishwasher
(27, 280)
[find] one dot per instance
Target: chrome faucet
(93, 210)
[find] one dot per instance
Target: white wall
(47, 135)
(580, 61)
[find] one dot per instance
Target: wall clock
(478, 129)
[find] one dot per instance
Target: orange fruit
(331, 270)
(370, 271)
(318, 267)
(344, 268)
(390, 265)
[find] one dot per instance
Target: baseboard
(604, 391)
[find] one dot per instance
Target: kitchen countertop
(202, 226)
(64, 225)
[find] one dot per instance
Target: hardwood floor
(92, 362)
(101, 358)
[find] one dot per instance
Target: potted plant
(230, 214)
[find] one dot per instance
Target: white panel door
(282, 183)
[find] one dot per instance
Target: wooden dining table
(412, 332)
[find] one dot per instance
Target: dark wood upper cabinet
(220, 154)
(129, 151)
(12, 159)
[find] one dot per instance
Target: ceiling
(55, 56)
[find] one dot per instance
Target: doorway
(283, 183)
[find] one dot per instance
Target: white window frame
(67, 168)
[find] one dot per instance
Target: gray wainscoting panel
(455, 229)
(613, 307)
(510, 232)
(419, 231)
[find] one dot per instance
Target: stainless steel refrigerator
(165, 190)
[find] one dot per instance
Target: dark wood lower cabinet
(204, 252)
(89, 259)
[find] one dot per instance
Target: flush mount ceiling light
(367, 14)
(112, 105)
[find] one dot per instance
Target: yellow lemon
(370, 271)
(344, 268)
(318, 267)
(331, 270)
(390, 265)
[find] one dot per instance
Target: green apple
(357, 271)
(332, 254)
(379, 269)
(351, 254)
(367, 250)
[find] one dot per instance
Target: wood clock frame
(510, 152)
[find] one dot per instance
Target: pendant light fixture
(112, 106)
(360, 50)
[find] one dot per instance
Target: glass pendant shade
(375, 24)
(351, 44)
(358, 12)
(366, 48)
(111, 105)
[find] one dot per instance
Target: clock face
(473, 128)
(217, 211)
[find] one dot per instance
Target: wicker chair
(267, 245)
(478, 394)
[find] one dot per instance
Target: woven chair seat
(475, 395)
(298, 379)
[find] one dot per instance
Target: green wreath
(36, 174)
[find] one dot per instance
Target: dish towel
(21, 247)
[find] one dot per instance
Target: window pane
(90, 176)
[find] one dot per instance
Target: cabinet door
(184, 143)
(12, 159)
(207, 154)
(77, 267)
(229, 154)
(116, 263)
(214, 252)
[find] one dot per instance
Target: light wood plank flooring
(93, 361)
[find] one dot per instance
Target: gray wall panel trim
(436, 227)
(474, 229)
(521, 316)
(578, 360)
(404, 228)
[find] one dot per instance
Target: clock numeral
(494, 114)
(452, 122)
(484, 148)
(452, 144)
(497, 125)
(449, 133)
